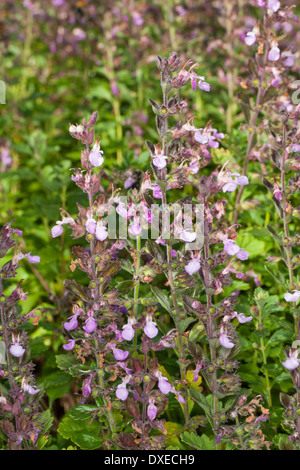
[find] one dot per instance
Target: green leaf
(183, 324)
(78, 427)
(162, 297)
(198, 442)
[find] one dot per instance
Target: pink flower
(274, 5)
(120, 355)
(90, 325)
(192, 267)
(128, 330)
(70, 345)
(101, 231)
(242, 319)
(231, 248)
(274, 54)
(204, 86)
(225, 341)
(121, 391)
(187, 236)
(292, 361)
(242, 254)
(72, 324)
(95, 156)
(16, 349)
(135, 228)
(56, 231)
(250, 38)
(292, 297)
(164, 385)
(150, 328)
(86, 389)
(160, 161)
(152, 409)
(90, 225)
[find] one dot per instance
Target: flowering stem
(252, 125)
(262, 349)
(210, 329)
(288, 249)
(170, 273)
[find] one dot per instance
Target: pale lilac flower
(192, 267)
(163, 383)
(187, 236)
(152, 409)
(274, 53)
(200, 137)
(90, 225)
(70, 345)
(57, 229)
(242, 319)
(76, 129)
(296, 148)
(86, 389)
(95, 156)
(72, 324)
(204, 86)
(250, 38)
(79, 34)
(101, 231)
(274, 5)
(16, 349)
(31, 389)
(292, 361)
(230, 247)
(225, 341)
(121, 390)
(289, 59)
(160, 161)
(150, 328)
(242, 254)
(292, 297)
(120, 355)
(128, 330)
(232, 184)
(135, 228)
(33, 259)
(90, 325)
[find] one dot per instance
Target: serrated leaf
(78, 427)
(161, 297)
(198, 442)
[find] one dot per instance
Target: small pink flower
(95, 156)
(70, 345)
(128, 330)
(250, 38)
(187, 236)
(16, 349)
(225, 341)
(72, 324)
(160, 161)
(90, 325)
(231, 248)
(274, 54)
(192, 267)
(292, 297)
(150, 328)
(120, 355)
(242, 319)
(292, 361)
(151, 410)
(101, 231)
